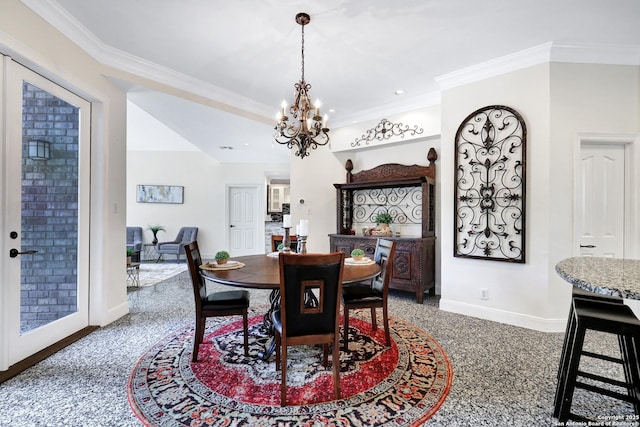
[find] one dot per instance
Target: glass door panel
(49, 208)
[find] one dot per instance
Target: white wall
(517, 292)
(33, 42)
(586, 99)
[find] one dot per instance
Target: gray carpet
(503, 375)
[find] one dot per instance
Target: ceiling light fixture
(303, 127)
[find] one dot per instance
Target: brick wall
(49, 210)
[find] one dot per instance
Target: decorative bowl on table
(222, 257)
(357, 254)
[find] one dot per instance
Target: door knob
(232, 226)
(14, 253)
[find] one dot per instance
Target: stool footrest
(603, 357)
(604, 391)
(602, 379)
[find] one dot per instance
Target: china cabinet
(407, 192)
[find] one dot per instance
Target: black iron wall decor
(489, 203)
(385, 130)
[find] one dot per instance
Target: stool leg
(565, 399)
(629, 350)
(564, 360)
(566, 340)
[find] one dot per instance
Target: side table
(149, 252)
(133, 274)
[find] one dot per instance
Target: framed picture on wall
(160, 194)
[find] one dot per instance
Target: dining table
(263, 272)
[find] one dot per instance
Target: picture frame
(170, 194)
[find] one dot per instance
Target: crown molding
(60, 19)
(548, 52)
(596, 53)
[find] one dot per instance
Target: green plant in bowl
(357, 254)
(383, 218)
(222, 257)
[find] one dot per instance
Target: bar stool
(580, 293)
(604, 316)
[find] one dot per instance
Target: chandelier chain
(302, 51)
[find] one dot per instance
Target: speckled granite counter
(608, 276)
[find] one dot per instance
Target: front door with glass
(46, 198)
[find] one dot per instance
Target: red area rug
(401, 385)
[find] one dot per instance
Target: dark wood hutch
(414, 261)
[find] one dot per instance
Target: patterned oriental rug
(403, 385)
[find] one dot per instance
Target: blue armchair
(176, 246)
(134, 241)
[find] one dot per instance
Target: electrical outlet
(484, 293)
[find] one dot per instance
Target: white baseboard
(115, 313)
(501, 316)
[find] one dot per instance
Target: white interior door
(243, 221)
(45, 198)
(600, 200)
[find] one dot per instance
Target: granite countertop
(607, 276)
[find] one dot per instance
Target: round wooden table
(263, 272)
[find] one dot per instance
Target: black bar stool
(580, 293)
(604, 316)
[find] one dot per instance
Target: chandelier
(300, 125)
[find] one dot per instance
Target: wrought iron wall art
(385, 130)
(490, 154)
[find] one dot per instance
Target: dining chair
(278, 240)
(373, 294)
(215, 304)
(297, 323)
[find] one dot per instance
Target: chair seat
(168, 247)
(360, 294)
(227, 300)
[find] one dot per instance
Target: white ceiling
(244, 55)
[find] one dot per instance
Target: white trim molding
(502, 316)
(544, 53)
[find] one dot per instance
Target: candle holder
(287, 241)
(302, 244)
(298, 243)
